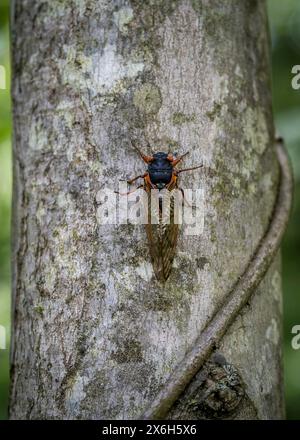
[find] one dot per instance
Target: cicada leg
(189, 169)
(142, 176)
(129, 192)
(184, 199)
(173, 182)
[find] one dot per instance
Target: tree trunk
(94, 334)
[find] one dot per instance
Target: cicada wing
(162, 231)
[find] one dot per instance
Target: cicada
(162, 175)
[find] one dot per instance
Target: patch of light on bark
(111, 68)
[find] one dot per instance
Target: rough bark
(95, 335)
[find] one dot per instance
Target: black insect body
(162, 234)
(160, 170)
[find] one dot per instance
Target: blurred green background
(5, 203)
(285, 31)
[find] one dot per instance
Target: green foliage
(285, 32)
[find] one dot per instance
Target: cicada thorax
(162, 229)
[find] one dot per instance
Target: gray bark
(94, 334)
